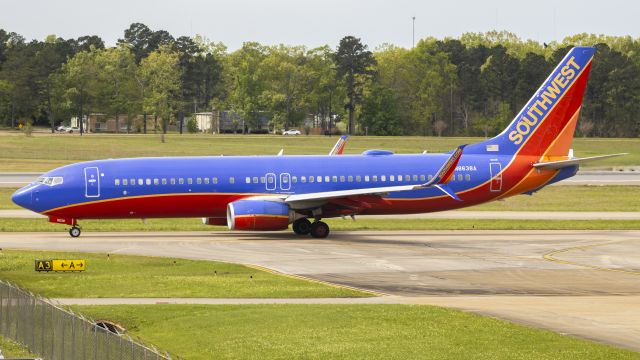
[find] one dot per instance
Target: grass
(552, 198)
(13, 350)
(43, 152)
(362, 223)
(342, 332)
(140, 276)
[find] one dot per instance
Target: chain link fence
(57, 334)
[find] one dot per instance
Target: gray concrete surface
(453, 214)
(584, 283)
(586, 177)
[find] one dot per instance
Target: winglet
(444, 175)
(446, 171)
(449, 191)
(339, 146)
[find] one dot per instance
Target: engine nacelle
(257, 215)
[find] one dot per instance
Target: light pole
(413, 33)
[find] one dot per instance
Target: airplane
(269, 193)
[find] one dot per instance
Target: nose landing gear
(74, 231)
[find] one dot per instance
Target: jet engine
(257, 215)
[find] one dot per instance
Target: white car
(68, 129)
(291, 132)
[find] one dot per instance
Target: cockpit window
(50, 180)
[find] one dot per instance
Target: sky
(315, 23)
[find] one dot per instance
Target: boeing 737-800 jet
(272, 192)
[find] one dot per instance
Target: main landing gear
(74, 231)
(317, 229)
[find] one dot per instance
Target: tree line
(472, 85)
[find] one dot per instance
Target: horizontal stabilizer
(560, 164)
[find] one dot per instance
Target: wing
(555, 165)
(439, 181)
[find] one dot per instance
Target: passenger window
(341, 178)
(303, 179)
(255, 179)
(415, 177)
(132, 181)
(392, 178)
(263, 180)
(294, 179)
(366, 178)
(247, 180)
(383, 177)
(270, 180)
(125, 182)
(459, 177)
(164, 181)
(422, 178)
(285, 180)
(116, 182)
(173, 181)
(327, 179)
(407, 178)
(156, 182)
(140, 182)
(206, 181)
(319, 179)
(334, 178)
(467, 177)
(399, 178)
(350, 178)
(148, 182)
(198, 181)
(232, 180)
(358, 178)
(181, 181)
(375, 178)
(430, 177)
(214, 180)
(312, 179)
(189, 181)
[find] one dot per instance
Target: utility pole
(413, 33)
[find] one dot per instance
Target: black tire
(319, 230)
(302, 226)
(74, 231)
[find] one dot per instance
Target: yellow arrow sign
(68, 265)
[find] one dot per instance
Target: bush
(192, 125)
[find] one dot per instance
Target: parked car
(68, 129)
(291, 132)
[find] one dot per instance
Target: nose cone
(22, 197)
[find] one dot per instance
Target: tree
(117, 84)
(144, 41)
(245, 81)
(79, 74)
(288, 80)
(355, 68)
(160, 70)
(379, 112)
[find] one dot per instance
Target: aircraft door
(92, 182)
(496, 177)
(285, 181)
(271, 181)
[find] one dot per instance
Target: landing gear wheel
(319, 230)
(302, 226)
(74, 231)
